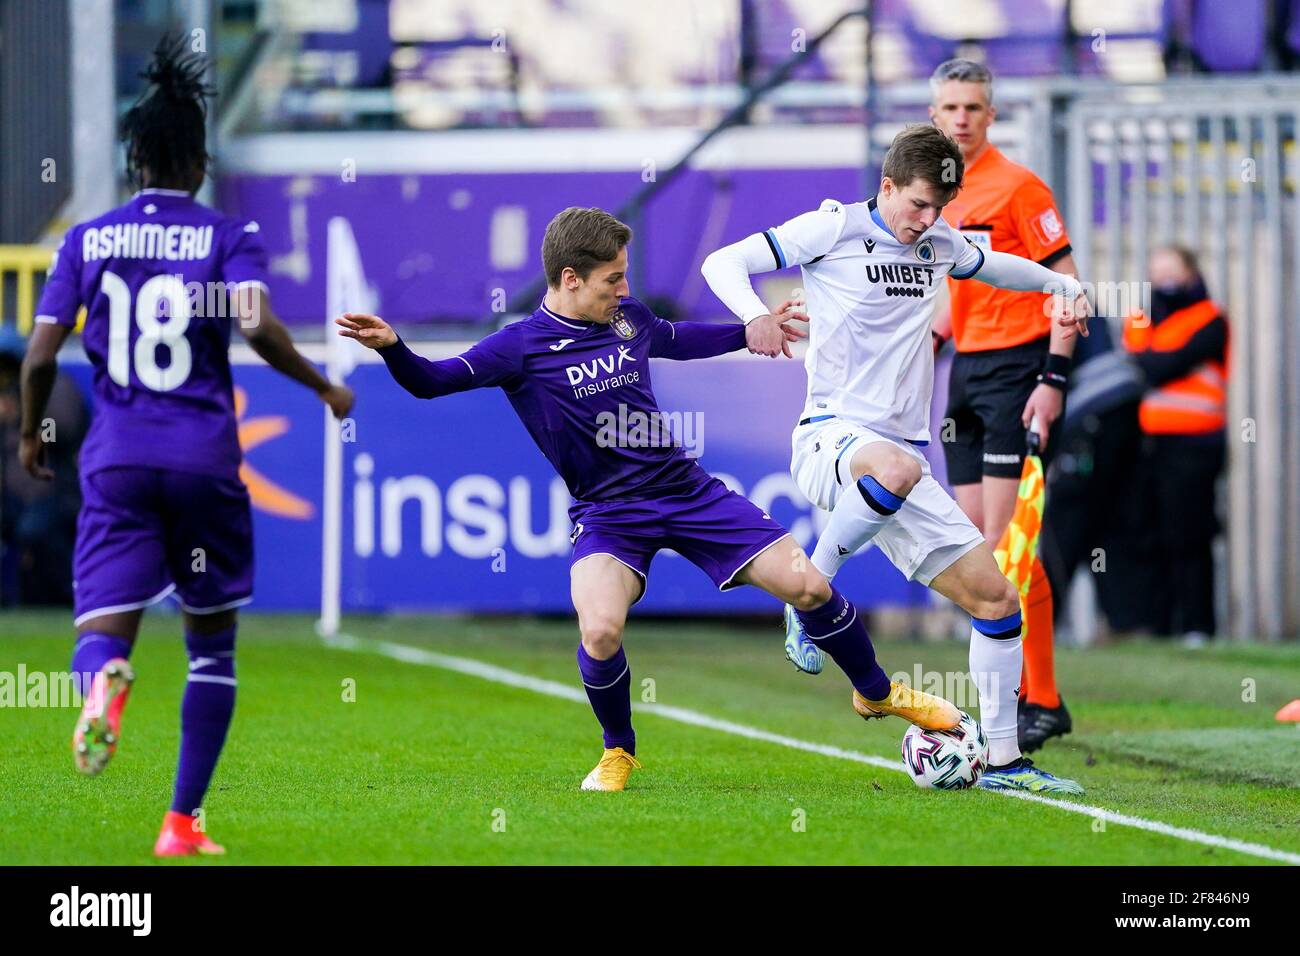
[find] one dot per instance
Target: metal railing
(23, 264)
(1216, 168)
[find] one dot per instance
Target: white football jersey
(870, 302)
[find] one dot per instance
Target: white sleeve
(1006, 271)
(727, 272)
(969, 258)
(804, 238)
(797, 241)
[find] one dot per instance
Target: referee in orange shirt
(1012, 361)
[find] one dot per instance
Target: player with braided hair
(163, 508)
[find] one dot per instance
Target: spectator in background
(38, 519)
(1182, 350)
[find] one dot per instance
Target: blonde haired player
(870, 271)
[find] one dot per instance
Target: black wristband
(1056, 371)
(1058, 364)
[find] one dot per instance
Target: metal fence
(1212, 166)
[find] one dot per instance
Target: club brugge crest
(622, 327)
(925, 250)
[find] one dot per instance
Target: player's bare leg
(999, 496)
(976, 585)
(830, 621)
(103, 674)
(883, 475)
(970, 499)
(602, 589)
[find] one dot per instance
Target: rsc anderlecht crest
(622, 327)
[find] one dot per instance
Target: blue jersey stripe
(781, 260)
(976, 269)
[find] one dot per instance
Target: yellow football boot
(612, 772)
(915, 706)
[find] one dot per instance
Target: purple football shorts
(711, 526)
(145, 532)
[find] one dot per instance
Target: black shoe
(1037, 724)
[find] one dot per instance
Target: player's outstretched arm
(419, 376)
(370, 330)
(491, 362)
(1005, 271)
(693, 340)
(271, 341)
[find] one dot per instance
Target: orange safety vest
(1194, 404)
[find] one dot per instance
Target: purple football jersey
(156, 276)
(582, 389)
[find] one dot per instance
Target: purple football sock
(206, 709)
(609, 688)
(837, 628)
(91, 652)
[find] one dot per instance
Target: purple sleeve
(245, 258)
(61, 297)
(493, 361)
(694, 340)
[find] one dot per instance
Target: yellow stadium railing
(25, 262)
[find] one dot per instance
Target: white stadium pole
(346, 291)
(331, 524)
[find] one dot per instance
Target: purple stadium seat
(1025, 56)
(1030, 46)
(894, 18)
(774, 22)
(1229, 37)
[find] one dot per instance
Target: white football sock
(995, 666)
(853, 523)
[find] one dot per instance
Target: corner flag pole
(346, 291)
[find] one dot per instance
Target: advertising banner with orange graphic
(448, 506)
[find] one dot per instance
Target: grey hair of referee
(963, 71)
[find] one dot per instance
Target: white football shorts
(927, 534)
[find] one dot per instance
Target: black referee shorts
(986, 397)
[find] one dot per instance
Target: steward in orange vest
(1183, 351)
(1183, 354)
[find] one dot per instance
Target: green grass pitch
(429, 766)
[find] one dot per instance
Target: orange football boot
(181, 836)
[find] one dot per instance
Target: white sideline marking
(500, 675)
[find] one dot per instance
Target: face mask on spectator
(1166, 300)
